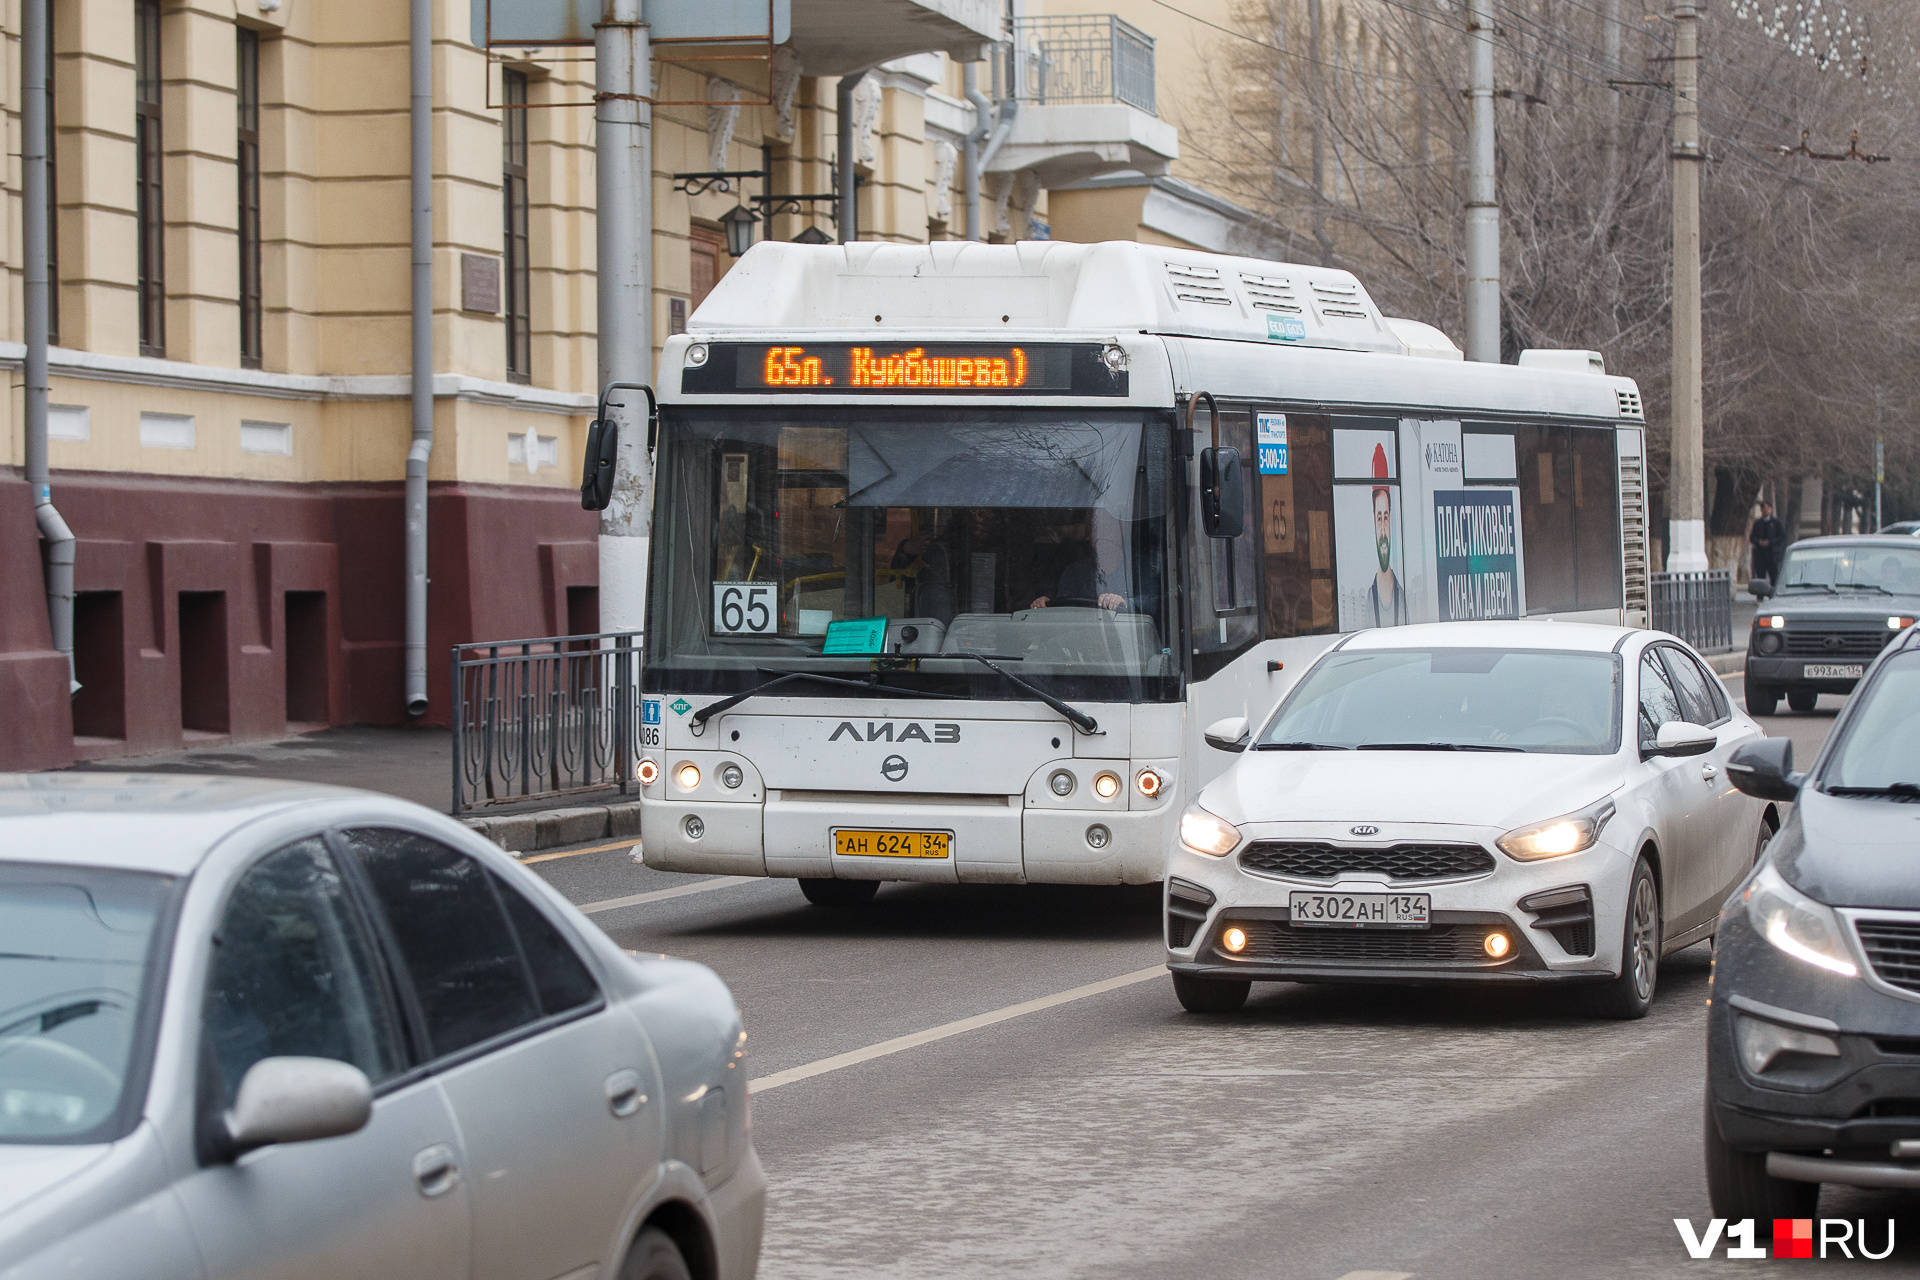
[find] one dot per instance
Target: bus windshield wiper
(1432, 746)
(1077, 718)
(1299, 746)
(1864, 586)
(1895, 790)
(869, 685)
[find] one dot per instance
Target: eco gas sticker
(681, 706)
(1286, 328)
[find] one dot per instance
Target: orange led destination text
(916, 368)
(785, 370)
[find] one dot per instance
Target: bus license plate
(1359, 910)
(1834, 671)
(893, 844)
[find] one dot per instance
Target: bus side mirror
(1223, 494)
(596, 474)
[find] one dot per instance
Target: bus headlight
(1061, 783)
(1106, 785)
(688, 776)
(1206, 833)
(730, 775)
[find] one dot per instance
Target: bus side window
(1570, 517)
(1226, 590)
(1295, 525)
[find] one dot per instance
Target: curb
(1727, 664)
(550, 828)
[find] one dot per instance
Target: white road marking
(901, 1043)
(661, 895)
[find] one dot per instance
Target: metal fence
(544, 717)
(1085, 58)
(1697, 607)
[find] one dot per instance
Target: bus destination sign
(941, 369)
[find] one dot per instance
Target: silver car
(263, 1029)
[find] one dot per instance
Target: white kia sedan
(1468, 802)
(256, 1029)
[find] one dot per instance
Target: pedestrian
(1769, 539)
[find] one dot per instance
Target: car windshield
(1038, 537)
(76, 947)
(1880, 743)
(1855, 566)
(1489, 699)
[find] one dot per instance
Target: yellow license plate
(893, 844)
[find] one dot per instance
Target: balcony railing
(1084, 58)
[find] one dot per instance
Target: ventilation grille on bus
(1198, 284)
(1339, 299)
(1633, 535)
(1270, 293)
(1629, 403)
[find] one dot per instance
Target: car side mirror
(597, 469)
(1681, 738)
(1764, 769)
(1760, 588)
(292, 1099)
(1223, 493)
(1231, 734)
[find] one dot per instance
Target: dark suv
(1813, 1029)
(1836, 604)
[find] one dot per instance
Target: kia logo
(893, 768)
(1363, 830)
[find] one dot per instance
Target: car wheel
(1630, 994)
(1210, 995)
(1803, 699)
(1739, 1186)
(839, 893)
(654, 1256)
(1762, 698)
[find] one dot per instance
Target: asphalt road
(998, 1081)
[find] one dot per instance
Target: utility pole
(623, 156)
(1483, 201)
(1686, 494)
(1319, 79)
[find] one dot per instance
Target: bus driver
(1102, 578)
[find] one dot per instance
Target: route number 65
(743, 607)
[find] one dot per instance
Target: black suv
(1813, 1029)
(1837, 603)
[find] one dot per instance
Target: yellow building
(230, 370)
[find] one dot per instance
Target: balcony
(837, 37)
(1082, 59)
(1085, 88)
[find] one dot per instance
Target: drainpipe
(849, 186)
(420, 75)
(970, 155)
(60, 539)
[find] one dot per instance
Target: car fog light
(688, 776)
(1763, 1043)
(1497, 945)
(1234, 940)
(1061, 783)
(1107, 785)
(1767, 642)
(1097, 836)
(694, 827)
(648, 772)
(730, 776)
(1148, 782)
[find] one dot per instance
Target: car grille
(1893, 949)
(1444, 944)
(1407, 863)
(1851, 644)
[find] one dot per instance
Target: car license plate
(1834, 671)
(1359, 910)
(893, 844)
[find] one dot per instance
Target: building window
(513, 184)
(148, 210)
(249, 163)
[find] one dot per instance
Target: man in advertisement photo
(1384, 596)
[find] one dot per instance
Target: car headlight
(1205, 833)
(1796, 924)
(1557, 837)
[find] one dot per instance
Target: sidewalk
(413, 764)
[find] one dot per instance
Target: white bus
(957, 548)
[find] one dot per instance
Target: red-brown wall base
(186, 590)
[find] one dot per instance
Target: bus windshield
(1034, 536)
